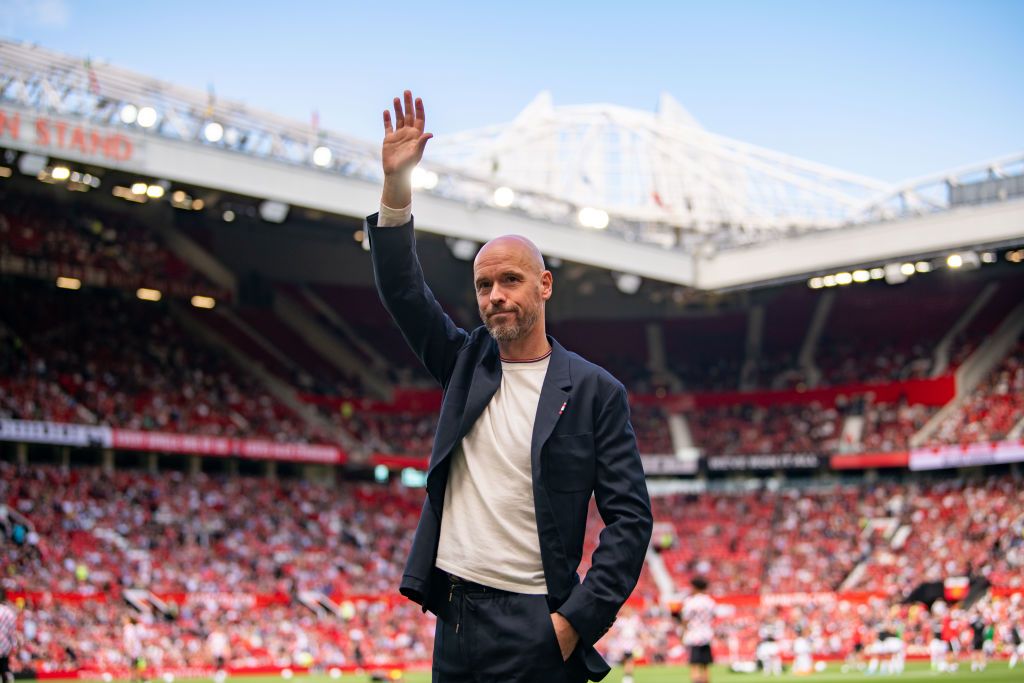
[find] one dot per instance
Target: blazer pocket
(569, 462)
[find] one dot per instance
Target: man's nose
(497, 295)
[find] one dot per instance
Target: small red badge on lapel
(562, 409)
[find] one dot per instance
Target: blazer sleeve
(620, 490)
(429, 331)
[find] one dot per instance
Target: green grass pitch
(917, 672)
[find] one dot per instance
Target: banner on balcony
(971, 455)
(763, 462)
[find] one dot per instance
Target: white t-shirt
(489, 523)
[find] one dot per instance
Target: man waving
(528, 432)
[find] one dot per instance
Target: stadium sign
(64, 138)
(54, 433)
(763, 463)
(863, 461)
(972, 455)
(668, 465)
(98, 436)
(165, 442)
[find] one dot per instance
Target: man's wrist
(397, 190)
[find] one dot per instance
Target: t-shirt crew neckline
(525, 361)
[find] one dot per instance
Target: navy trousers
(485, 635)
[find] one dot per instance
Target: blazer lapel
(554, 395)
(485, 382)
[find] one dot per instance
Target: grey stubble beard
(514, 332)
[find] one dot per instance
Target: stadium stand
(239, 554)
(104, 357)
(992, 409)
(297, 572)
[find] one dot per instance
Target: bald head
(513, 246)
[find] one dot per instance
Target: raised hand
(405, 141)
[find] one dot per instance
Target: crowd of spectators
(172, 533)
(889, 426)
(811, 541)
(993, 409)
(121, 251)
(750, 429)
(955, 528)
(211, 547)
(100, 357)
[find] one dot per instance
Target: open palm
(404, 141)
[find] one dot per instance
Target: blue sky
(892, 89)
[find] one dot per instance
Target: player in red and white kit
(697, 617)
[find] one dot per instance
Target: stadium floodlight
(923, 267)
(273, 212)
(147, 117)
(423, 179)
(154, 192)
(843, 278)
(908, 269)
(203, 301)
(628, 283)
(954, 260)
(147, 294)
(213, 132)
(861, 276)
(179, 196)
(232, 137)
(32, 164)
(129, 114)
(60, 173)
(589, 217)
(969, 260)
(988, 257)
(228, 216)
(816, 283)
(877, 273)
(464, 250)
(322, 156)
(504, 197)
(198, 204)
(895, 274)
(829, 280)
(139, 188)
(69, 283)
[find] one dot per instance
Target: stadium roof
(650, 193)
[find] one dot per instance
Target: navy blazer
(583, 444)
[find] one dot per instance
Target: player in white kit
(629, 640)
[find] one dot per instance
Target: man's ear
(546, 284)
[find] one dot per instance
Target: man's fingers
(387, 123)
(421, 117)
(399, 116)
(410, 113)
